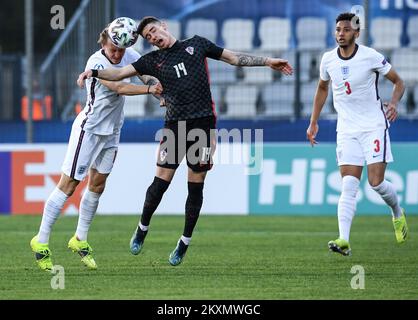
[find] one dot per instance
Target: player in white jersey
(92, 149)
(362, 125)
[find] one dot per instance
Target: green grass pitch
(230, 257)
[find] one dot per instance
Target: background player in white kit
(362, 126)
(92, 149)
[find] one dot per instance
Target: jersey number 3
(377, 145)
(180, 68)
(347, 87)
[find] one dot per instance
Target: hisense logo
(308, 182)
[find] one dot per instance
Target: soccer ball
(123, 32)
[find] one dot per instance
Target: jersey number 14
(180, 68)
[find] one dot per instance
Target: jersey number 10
(180, 67)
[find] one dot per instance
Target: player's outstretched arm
(398, 91)
(112, 74)
(246, 60)
(319, 101)
(128, 89)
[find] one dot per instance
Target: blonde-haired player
(92, 149)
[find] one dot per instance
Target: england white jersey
(355, 88)
(103, 113)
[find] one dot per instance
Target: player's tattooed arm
(247, 60)
(150, 81)
(242, 59)
(250, 61)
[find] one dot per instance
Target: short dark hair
(347, 16)
(145, 21)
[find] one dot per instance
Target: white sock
(388, 194)
(142, 227)
(186, 240)
(347, 205)
(52, 210)
(88, 207)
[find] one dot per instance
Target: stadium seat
(241, 101)
(415, 94)
(278, 99)
(404, 60)
(307, 95)
(174, 26)
(135, 106)
(221, 72)
(139, 45)
(258, 75)
(274, 34)
(206, 28)
(311, 33)
(290, 56)
(217, 97)
(153, 108)
(309, 65)
(412, 31)
(385, 88)
(386, 33)
(41, 108)
(238, 34)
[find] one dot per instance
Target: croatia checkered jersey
(355, 88)
(103, 113)
(183, 72)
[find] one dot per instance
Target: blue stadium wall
(403, 130)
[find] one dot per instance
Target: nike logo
(159, 65)
(377, 155)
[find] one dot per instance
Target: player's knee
(375, 182)
(195, 176)
(97, 185)
(156, 190)
(99, 188)
(350, 186)
(68, 185)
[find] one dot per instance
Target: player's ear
(164, 25)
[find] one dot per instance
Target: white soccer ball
(123, 32)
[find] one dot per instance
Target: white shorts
(87, 150)
(371, 146)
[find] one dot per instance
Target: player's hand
(391, 111)
(156, 89)
(83, 76)
(280, 65)
(311, 133)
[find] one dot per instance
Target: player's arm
(150, 80)
(246, 60)
(128, 89)
(398, 91)
(319, 101)
(112, 74)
